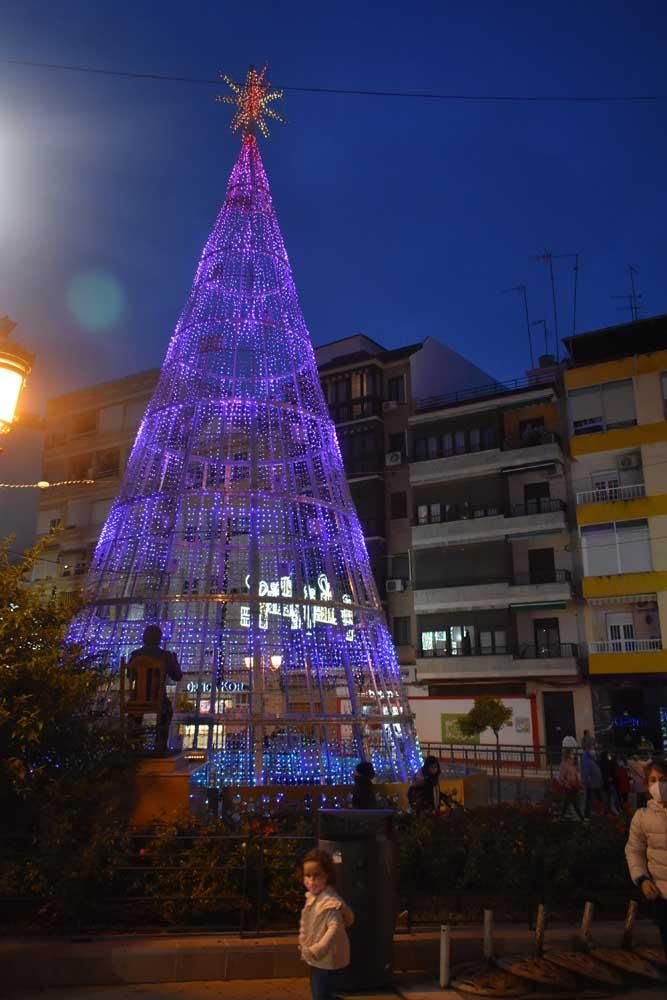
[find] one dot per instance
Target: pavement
(274, 989)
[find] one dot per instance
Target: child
(323, 940)
(646, 849)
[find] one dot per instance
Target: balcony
(625, 646)
(462, 524)
(542, 590)
(636, 491)
(559, 659)
(537, 449)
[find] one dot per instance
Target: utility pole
(522, 290)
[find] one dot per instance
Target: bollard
(445, 955)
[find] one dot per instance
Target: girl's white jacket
(323, 939)
(646, 849)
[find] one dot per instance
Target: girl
(646, 849)
(323, 940)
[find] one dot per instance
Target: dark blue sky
(402, 218)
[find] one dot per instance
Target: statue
(148, 670)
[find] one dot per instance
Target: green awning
(540, 606)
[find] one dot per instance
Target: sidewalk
(266, 989)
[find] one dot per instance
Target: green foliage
(486, 713)
(64, 760)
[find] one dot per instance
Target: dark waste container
(362, 844)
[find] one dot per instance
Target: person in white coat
(323, 940)
(646, 849)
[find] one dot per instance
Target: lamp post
(15, 366)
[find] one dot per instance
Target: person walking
(570, 783)
(646, 849)
(323, 941)
(591, 778)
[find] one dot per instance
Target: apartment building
(481, 540)
(89, 434)
(370, 390)
(616, 386)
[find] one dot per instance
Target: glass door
(621, 633)
(547, 637)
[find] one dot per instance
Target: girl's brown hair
(659, 765)
(326, 863)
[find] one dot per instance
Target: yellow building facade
(616, 389)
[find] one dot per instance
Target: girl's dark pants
(324, 983)
(660, 914)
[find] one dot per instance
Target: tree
(487, 713)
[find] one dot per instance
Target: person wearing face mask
(646, 849)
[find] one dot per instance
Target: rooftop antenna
(543, 323)
(548, 258)
(522, 290)
(634, 298)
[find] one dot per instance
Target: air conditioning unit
(389, 404)
(394, 586)
(631, 461)
(393, 458)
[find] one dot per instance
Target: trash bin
(362, 844)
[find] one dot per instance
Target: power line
(414, 95)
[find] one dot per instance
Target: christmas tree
(234, 530)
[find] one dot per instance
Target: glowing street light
(15, 366)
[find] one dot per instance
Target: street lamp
(15, 365)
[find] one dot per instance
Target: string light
(234, 528)
(252, 102)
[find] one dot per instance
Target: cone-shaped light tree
(235, 532)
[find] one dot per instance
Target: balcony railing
(542, 576)
(548, 651)
(625, 646)
(634, 492)
(487, 391)
(524, 651)
(530, 439)
(468, 512)
(468, 650)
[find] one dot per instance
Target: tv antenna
(543, 324)
(522, 290)
(548, 258)
(634, 298)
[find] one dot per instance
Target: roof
(641, 336)
(358, 357)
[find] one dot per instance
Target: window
(398, 505)
(107, 463)
(111, 419)
(460, 442)
(399, 566)
(422, 513)
(432, 446)
(462, 639)
(397, 442)
(531, 431)
(475, 439)
(434, 513)
(80, 467)
(396, 389)
(621, 547)
(401, 628)
(85, 423)
(447, 444)
(420, 449)
(602, 407)
(434, 643)
(493, 641)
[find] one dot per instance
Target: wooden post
(540, 921)
(445, 955)
(586, 922)
(629, 924)
(488, 935)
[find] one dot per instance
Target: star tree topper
(252, 102)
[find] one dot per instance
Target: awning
(604, 602)
(528, 466)
(540, 606)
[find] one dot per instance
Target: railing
(544, 576)
(487, 391)
(625, 646)
(467, 512)
(463, 651)
(551, 651)
(487, 442)
(531, 439)
(633, 492)
(355, 409)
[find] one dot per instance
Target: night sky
(403, 218)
